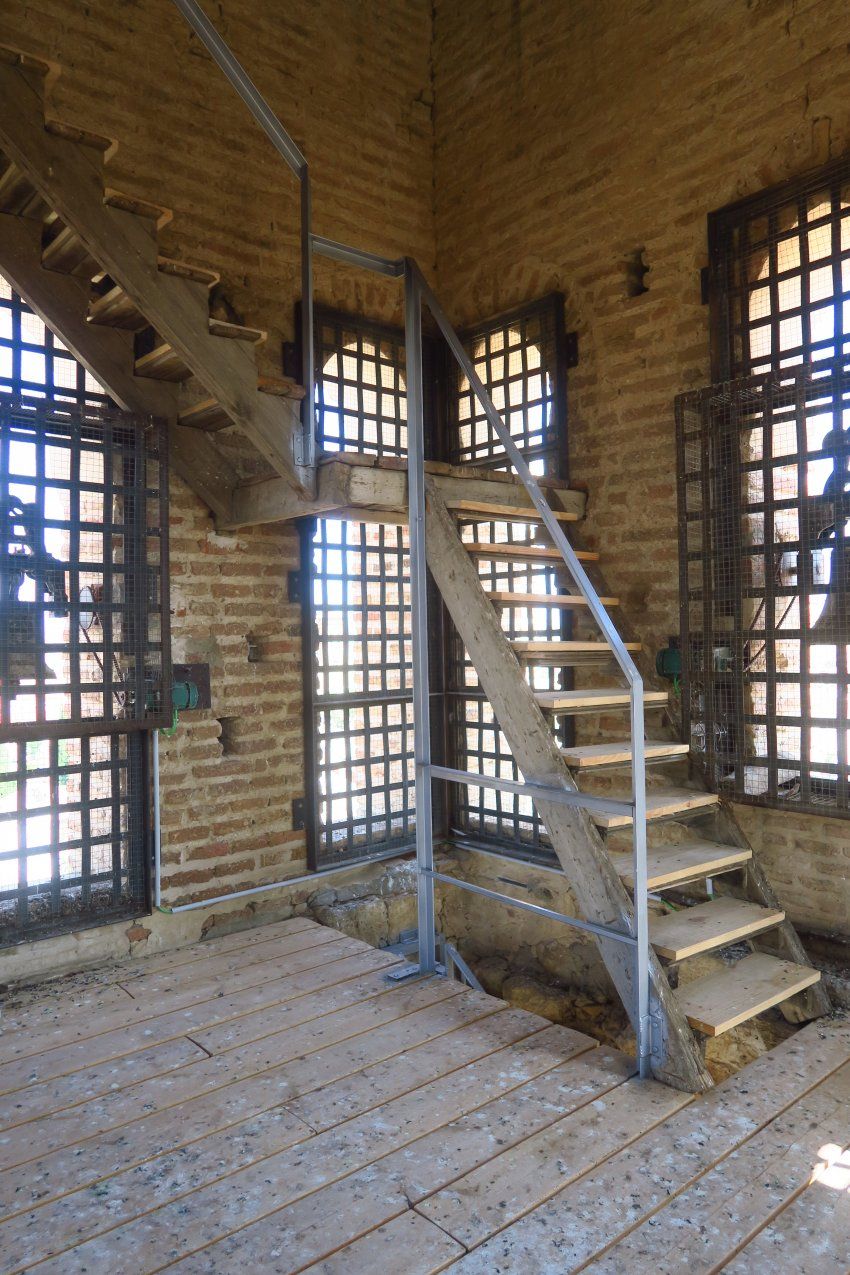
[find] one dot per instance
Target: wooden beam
(61, 301)
(369, 490)
(70, 179)
(581, 853)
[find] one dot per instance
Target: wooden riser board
(327, 1120)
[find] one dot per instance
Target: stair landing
(269, 1092)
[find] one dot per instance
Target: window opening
(84, 669)
(764, 506)
(360, 722)
(520, 359)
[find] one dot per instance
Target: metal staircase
(153, 317)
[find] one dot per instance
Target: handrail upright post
(642, 1018)
(308, 448)
(419, 621)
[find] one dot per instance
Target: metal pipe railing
(418, 291)
(296, 161)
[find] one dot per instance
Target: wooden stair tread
(595, 700)
(207, 414)
(162, 363)
(115, 309)
(281, 386)
(720, 1001)
(184, 270)
(671, 865)
(66, 253)
(709, 925)
(505, 513)
(619, 753)
(19, 197)
(568, 654)
(236, 332)
(80, 136)
(661, 803)
(565, 600)
(139, 207)
(524, 553)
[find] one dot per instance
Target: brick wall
(569, 140)
(352, 83)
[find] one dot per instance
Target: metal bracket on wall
(571, 349)
(293, 586)
(299, 814)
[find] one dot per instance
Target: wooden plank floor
(267, 1101)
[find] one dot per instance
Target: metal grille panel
(360, 726)
(72, 825)
(83, 636)
(764, 509)
(520, 360)
(83, 570)
(780, 275)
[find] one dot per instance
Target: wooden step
(281, 387)
(183, 270)
(596, 700)
(720, 1001)
(156, 213)
(161, 363)
(237, 332)
(709, 925)
(486, 510)
(598, 756)
(18, 196)
(566, 601)
(66, 253)
(672, 865)
(567, 654)
(662, 803)
(208, 414)
(114, 309)
(524, 552)
(157, 359)
(81, 136)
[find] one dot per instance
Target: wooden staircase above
(85, 257)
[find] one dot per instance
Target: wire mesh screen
(72, 824)
(83, 571)
(780, 275)
(764, 494)
(361, 743)
(519, 358)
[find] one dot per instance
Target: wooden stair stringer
(61, 301)
(580, 850)
(69, 177)
(783, 940)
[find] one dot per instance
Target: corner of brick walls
(568, 138)
(353, 84)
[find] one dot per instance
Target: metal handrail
(418, 290)
(295, 159)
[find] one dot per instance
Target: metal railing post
(308, 374)
(642, 1020)
(419, 621)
